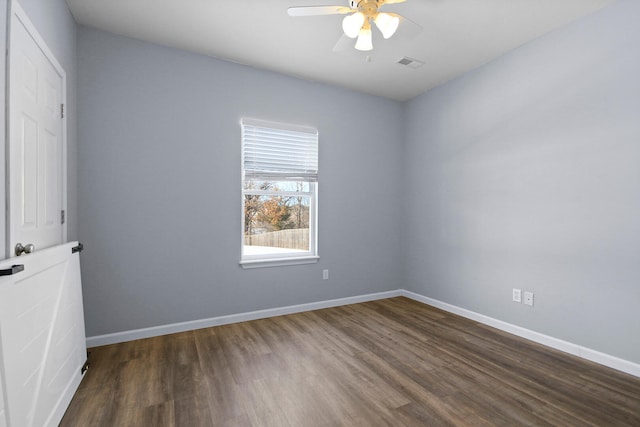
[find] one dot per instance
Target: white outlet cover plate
(517, 295)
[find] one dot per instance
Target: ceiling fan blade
(318, 10)
(408, 27)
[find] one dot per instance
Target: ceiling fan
(357, 23)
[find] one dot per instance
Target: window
(279, 194)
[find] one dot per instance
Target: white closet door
(36, 138)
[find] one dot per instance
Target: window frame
(288, 258)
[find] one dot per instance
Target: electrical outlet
(325, 274)
(517, 295)
(528, 298)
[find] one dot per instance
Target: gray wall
(56, 25)
(525, 174)
(159, 186)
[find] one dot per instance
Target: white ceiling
(457, 36)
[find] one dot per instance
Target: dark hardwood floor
(393, 362)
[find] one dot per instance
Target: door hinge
(86, 364)
(62, 111)
(62, 217)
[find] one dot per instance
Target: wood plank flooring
(393, 362)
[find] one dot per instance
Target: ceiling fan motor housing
(369, 8)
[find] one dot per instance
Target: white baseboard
(155, 331)
(558, 344)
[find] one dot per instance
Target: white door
(42, 337)
(36, 139)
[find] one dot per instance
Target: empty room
(320, 213)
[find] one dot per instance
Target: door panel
(27, 152)
(51, 197)
(36, 141)
(42, 335)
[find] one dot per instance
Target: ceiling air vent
(410, 62)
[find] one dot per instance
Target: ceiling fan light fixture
(365, 41)
(351, 24)
(387, 24)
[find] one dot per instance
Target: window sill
(279, 262)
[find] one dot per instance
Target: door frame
(14, 14)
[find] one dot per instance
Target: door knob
(26, 249)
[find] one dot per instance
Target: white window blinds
(276, 151)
